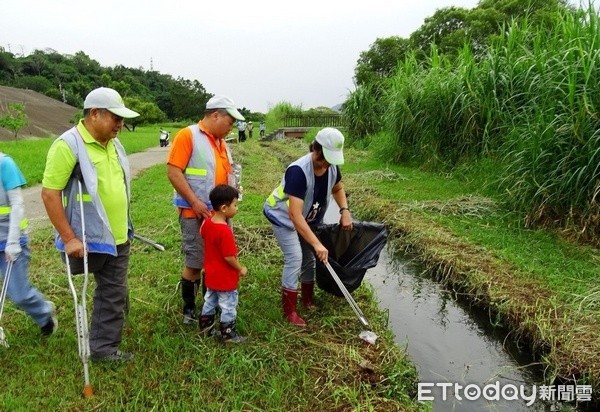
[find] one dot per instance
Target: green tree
(149, 112)
(14, 119)
(7, 66)
(448, 29)
(39, 84)
(71, 77)
(380, 60)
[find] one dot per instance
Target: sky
(257, 52)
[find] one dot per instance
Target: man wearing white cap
(198, 160)
(299, 203)
(91, 153)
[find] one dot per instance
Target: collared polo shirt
(111, 178)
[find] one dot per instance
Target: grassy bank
(324, 367)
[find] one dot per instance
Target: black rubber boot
(207, 323)
(189, 289)
(229, 334)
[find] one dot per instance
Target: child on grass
(222, 270)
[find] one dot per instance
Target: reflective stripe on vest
(86, 198)
(276, 206)
(196, 172)
(5, 210)
(272, 200)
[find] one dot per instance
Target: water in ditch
(450, 342)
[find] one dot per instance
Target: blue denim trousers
(226, 301)
(20, 291)
(298, 258)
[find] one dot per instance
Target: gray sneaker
(117, 356)
(189, 317)
(50, 327)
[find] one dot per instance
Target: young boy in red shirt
(222, 270)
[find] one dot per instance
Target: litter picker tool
(347, 295)
(81, 322)
(366, 335)
(150, 242)
(3, 294)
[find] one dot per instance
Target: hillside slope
(47, 117)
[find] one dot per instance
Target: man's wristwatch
(343, 208)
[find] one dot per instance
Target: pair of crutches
(3, 341)
(81, 322)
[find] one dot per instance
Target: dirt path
(34, 207)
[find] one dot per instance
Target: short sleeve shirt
(295, 185)
(111, 178)
(11, 174)
(219, 243)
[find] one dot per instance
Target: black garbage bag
(351, 253)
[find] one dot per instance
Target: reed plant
(363, 110)
(552, 153)
(275, 115)
(530, 104)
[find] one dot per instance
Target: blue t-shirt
(295, 185)
(11, 174)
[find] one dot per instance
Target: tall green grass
(275, 115)
(530, 104)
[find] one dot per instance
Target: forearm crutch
(3, 294)
(347, 295)
(81, 323)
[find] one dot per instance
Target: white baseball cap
(222, 102)
(109, 99)
(332, 141)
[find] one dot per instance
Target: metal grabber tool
(347, 295)
(3, 294)
(366, 335)
(81, 322)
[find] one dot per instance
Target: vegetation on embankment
(281, 367)
(521, 112)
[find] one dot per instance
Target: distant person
(198, 160)
(241, 125)
(249, 128)
(261, 129)
(92, 150)
(298, 204)
(14, 242)
(222, 270)
(163, 138)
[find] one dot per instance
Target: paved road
(34, 207)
